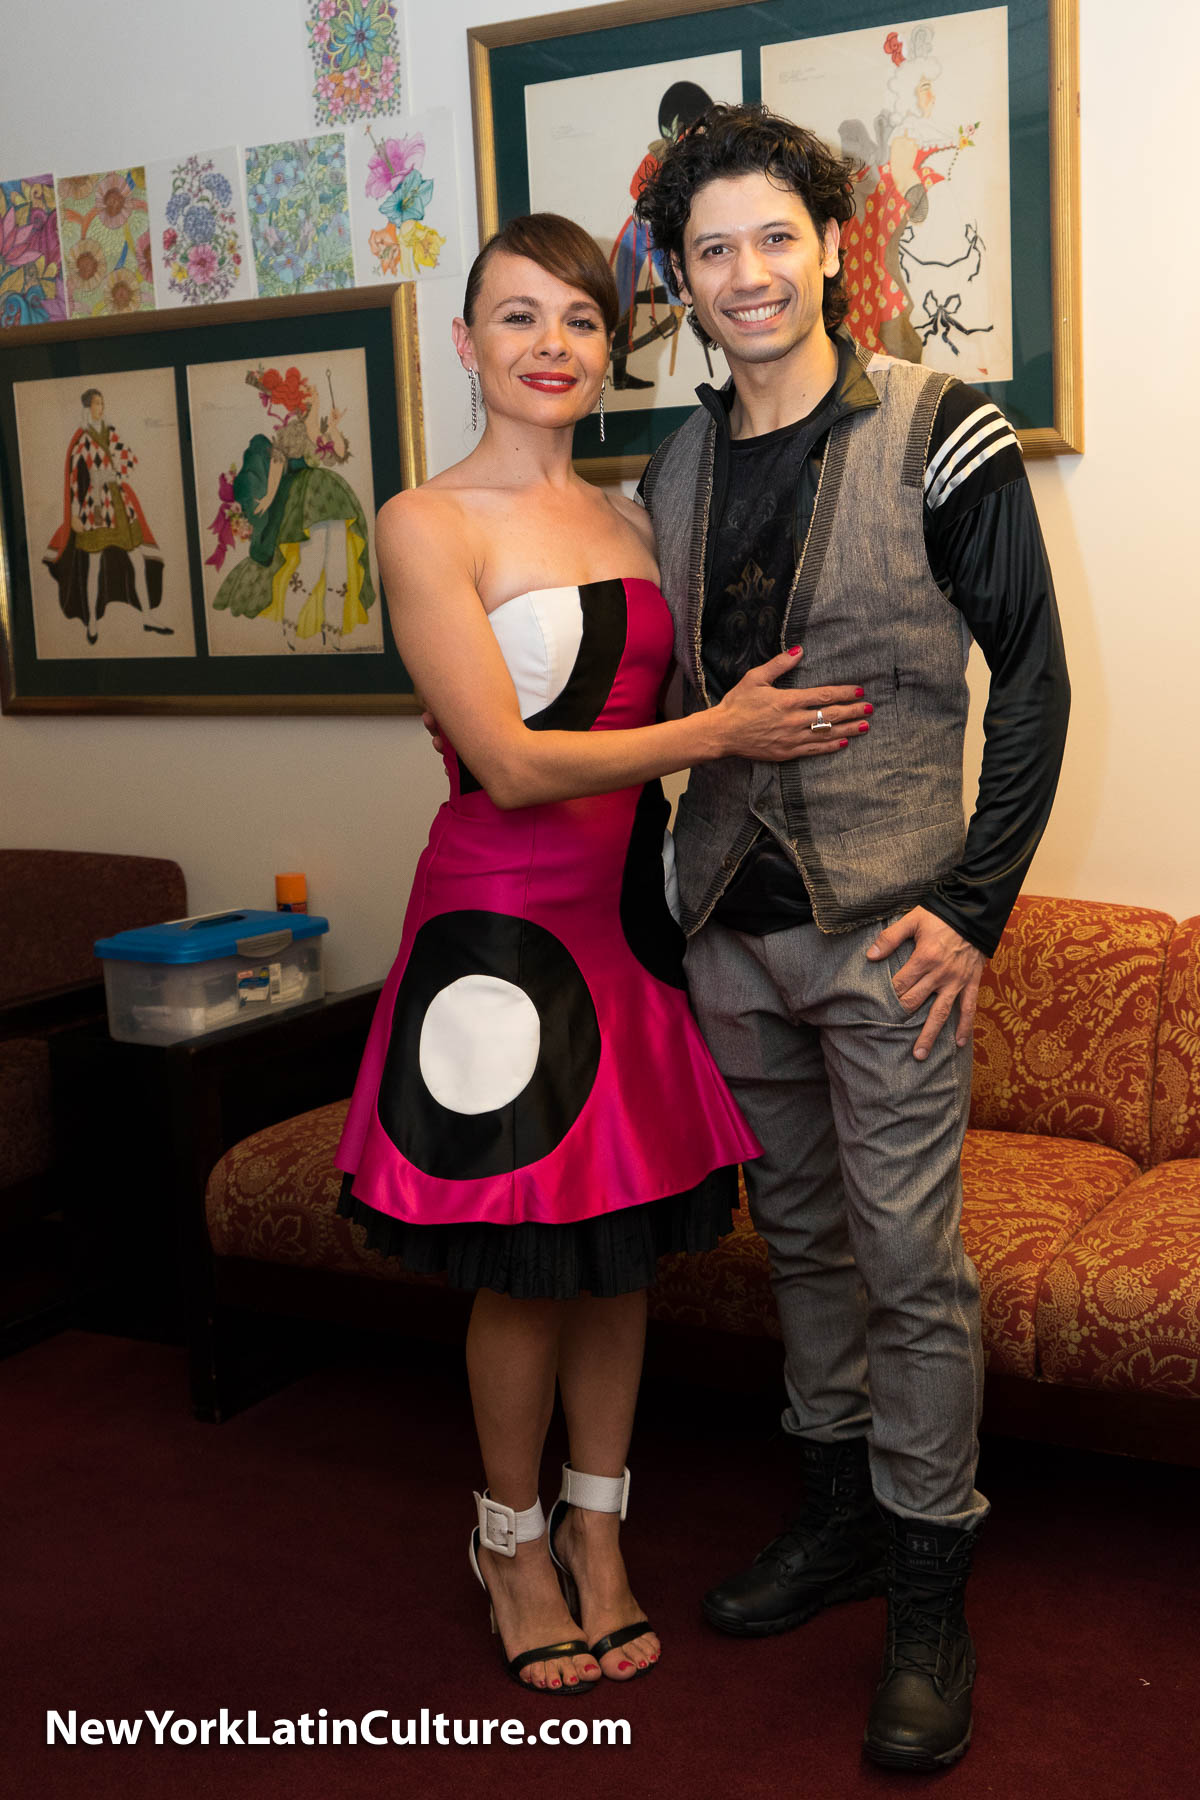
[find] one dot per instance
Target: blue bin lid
(211, 935)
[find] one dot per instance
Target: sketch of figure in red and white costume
(104, 550)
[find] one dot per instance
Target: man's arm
(986, 552)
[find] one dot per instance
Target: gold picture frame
(381, 322)
(507, 58)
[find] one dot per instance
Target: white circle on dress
(479, 1046)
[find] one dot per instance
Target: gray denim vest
(872, 827)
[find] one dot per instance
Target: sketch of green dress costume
(309, 496)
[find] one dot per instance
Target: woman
(536, 1112)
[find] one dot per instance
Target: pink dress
(536, 1110)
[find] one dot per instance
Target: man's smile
(755, 315)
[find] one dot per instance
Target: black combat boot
(921, 1718)
(834, 1550)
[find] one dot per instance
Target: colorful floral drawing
(355, 49)
(105, 227)
(198, 229)
(299, 215)
(31, 282)
(406, 218)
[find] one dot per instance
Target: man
(878, 515)
(104, 537)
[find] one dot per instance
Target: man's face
(755, 267)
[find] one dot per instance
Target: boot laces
(927, 1623)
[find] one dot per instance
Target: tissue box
(179, 980)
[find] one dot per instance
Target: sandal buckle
(497, 1526)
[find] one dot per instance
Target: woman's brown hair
(559, 246)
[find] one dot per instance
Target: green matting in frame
(1042, 398)
(381, 324)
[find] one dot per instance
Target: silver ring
(820, 723)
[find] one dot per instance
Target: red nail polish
(795, 651)
(625, 1665)
(864, 726)
(858, 693)
(868, 708)
(556, 1682)
(842, 742)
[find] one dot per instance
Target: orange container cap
(291, 887)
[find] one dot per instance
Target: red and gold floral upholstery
(1175, 1118)
(273, 1198)
(1068, 1009)
(726, 1289)
(1024, 1198)
(1120, 1305)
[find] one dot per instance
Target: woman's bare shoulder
(633, 513)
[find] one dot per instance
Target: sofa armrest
(36, 1015)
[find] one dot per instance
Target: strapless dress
(536, 1110)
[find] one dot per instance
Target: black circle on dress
(458, 1146)
(647, 921)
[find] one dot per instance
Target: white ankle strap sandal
(598, 1493)
(501, 1529)
(595, 1493)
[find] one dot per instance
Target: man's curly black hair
(744, 140)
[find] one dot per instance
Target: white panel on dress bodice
(539, 636)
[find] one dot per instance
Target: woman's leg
(512, 1347)
(599, 1366)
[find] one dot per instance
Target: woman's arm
(443, 635)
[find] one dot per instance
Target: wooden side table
(140, 1127)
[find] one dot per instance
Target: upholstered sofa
(1082, 1198)
(54, 904)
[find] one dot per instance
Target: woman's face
(540, 346)
(925, 97)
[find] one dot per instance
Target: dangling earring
(603, 385)
(474, 399)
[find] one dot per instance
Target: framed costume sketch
(187, 511)
(961, 126)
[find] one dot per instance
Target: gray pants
(858, 1196)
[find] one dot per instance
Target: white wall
(349, 800)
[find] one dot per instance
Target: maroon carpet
(311, 1553)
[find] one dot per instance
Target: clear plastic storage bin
(179, 980)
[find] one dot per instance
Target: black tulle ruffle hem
(616, 1253)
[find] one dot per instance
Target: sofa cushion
(273, 1198)
(1120, 1305)
(1175, 1118)
(1024, 1198)
(1065, 1037)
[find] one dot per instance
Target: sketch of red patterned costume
(874, 283)
(102, 519)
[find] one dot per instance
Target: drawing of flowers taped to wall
(291, 566)
(299, 219)
(105, 232)
(404, 191)
(355, 51)
(198, 229)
